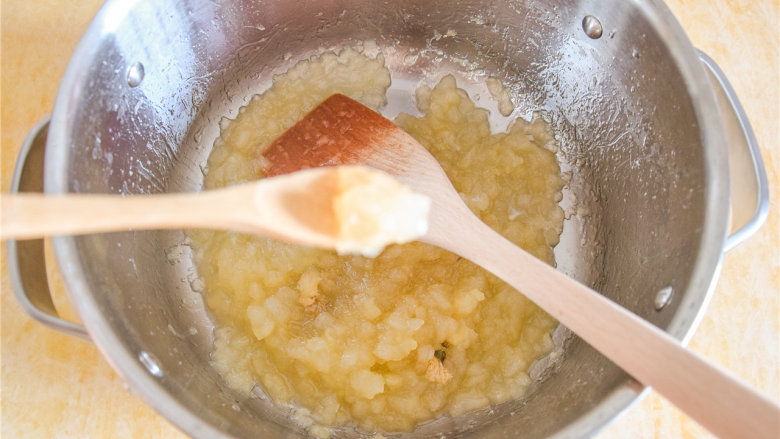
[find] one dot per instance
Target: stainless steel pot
(647, 128)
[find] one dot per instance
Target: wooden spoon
(316, 207)
(342, 131)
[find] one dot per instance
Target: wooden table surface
(55, 386)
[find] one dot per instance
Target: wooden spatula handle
(347, 132)
(710, 395)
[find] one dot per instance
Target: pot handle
(26, 262)
(748, 180)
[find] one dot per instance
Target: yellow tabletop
(57, 386)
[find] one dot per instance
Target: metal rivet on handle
(135, 74)
(150, 363)
(592, 27)
(663, 297)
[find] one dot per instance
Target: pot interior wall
(627, 130)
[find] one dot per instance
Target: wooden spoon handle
(313, 207)
(707, 393)
(35, 215)
(295, 207)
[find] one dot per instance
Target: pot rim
(137, 377)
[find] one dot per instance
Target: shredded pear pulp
(356, 340)
(373, 210)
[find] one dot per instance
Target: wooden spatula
(316, 207)
(342, 131)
